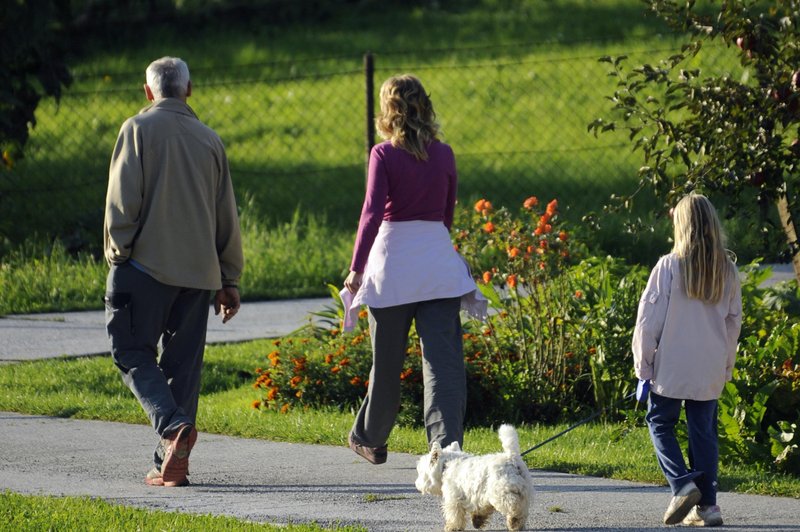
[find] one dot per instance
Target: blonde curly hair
(407, 118)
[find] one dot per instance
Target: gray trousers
(439, 327)
(140, 311)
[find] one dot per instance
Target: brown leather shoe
(373, 455)
(177, 447)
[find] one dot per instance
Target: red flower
(488, 227)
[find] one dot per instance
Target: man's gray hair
(168, 77)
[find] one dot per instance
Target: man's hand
(227, 300)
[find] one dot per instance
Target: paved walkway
(283, 482)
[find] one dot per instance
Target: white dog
(478, 485)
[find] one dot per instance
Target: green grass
(294, 259)
(20, 513)
(90, 388)
(515, 85)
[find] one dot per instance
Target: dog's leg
(516, 520)
(480, 518)
(455, 517)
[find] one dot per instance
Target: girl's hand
(353, 281)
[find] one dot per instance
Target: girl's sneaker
(704, 516)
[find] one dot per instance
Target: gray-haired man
(171, 237)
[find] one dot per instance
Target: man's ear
(149, 93)
(189, 89)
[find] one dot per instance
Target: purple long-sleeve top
(401, 188)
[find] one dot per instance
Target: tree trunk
(791, 235)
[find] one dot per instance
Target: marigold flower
(512, 280)
(592, 350)
(579, 294)
(334, 332)
(336, 369)
(487, 277)
(344, 362)
(406, 373)
(275, 362)
(539, 230)
(274, 354)
(259, 370)
(488, 227)
(362, 314)
(328, 358)
(530, 202)
(295, 381)
(513, 252)
(543, 244)
(543, 219)
(285, 408)
(355, 381)
(272, 393)
(298, 394)
(552, 207)
(562, 235)
(276, 342)
(8, 160)
(548, 228)
(256, 404)
(480, 205)
(542, 265)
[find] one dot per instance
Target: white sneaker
(682, 503)
(704, 516)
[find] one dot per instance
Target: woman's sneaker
(704, 516)
(682, 503)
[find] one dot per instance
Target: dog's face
(429, 468)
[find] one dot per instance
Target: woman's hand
(353, 282)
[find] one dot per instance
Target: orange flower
(276, 342)
(272, 393)
(552, 207)
(259, 370)
(513, 252)
(480, 205)
(548, 228)
(355, 381)
(334, 332)
(487, 277)
(531, 202)
(299, 394)
(275, 362)
(285, 408)
(295, 381)
(406, 373)
(539, 230)
(543, 244)
(488, 227)
(336, 369)
(542, 266)
(362, 314)
(512, 280)
(578, 294)
(344, 362)
(562, 235)
(256, 404)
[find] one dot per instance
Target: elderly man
(172, 241)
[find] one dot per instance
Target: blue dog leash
(642, 389)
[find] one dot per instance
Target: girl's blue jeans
(703, 448)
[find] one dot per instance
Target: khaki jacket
(170, 204)
(686, 347)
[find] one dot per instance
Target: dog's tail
(509, 439)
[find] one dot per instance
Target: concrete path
(35, 336)
(285, 482)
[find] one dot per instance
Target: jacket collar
(173, 105)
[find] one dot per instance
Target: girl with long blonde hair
(684, 349)
(404, 269)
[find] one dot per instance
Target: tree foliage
(726, 137)
(33, 51)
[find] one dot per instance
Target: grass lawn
(20, 513)
(90, 388)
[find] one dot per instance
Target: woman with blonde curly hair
(404, 268)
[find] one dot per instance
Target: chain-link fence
(296, 134)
